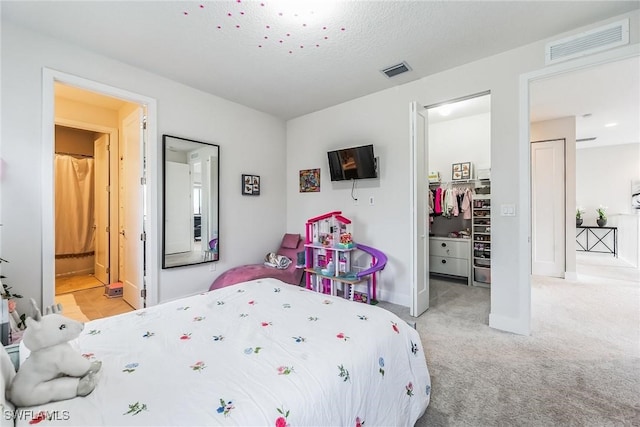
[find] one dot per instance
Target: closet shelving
(481, 237)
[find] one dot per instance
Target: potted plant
(602, 216)
(579, 212)
(16, 320)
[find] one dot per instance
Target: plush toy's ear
(32, 323)
(37, 315)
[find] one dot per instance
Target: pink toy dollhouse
(328, 249)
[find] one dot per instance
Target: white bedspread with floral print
(254, 354)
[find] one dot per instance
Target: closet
(459, 164)
(450, 213)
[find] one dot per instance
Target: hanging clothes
(465, 205)
(448, 202)
(438, 201)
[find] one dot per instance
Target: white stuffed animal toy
(54, 370)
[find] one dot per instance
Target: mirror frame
(206, 256)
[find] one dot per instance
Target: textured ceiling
(289, 62)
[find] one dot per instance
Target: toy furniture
(328, 251)
(290, 246)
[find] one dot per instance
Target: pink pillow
(290, 241)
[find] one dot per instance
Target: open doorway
(457, 207)
(601, 128)
(81, 209)
(117, 192)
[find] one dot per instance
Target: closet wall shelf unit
(481, 236)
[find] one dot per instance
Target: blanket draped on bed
(257, 353)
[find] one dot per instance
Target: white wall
(250, 142)
(603, 177)
(383, 119)
(466, 139)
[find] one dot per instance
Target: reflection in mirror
(190, 202)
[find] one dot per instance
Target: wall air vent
(588, 42)
(593, 138)
(394, 70)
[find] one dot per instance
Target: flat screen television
(352, 163)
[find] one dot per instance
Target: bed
(256, 353)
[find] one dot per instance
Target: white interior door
(419, 211)
(131, 210)
(178, 232)
(101, 190)
(548, 208)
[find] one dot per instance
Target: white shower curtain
(74, 201)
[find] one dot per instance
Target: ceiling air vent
(588, 42)
(394, 70)
(593, 138)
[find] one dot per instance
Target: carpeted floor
(579, 367)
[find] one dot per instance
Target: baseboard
(514, 325)
(393, 297)
(572, 276)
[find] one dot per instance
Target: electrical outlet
(371, 201)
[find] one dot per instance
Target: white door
(131, 210)
(419, 211)
(178, 232)
(101, 190)
(548, 208)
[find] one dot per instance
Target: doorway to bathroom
(97, 210)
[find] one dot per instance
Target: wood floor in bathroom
(88, 293)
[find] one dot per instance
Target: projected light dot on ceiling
(289, 24)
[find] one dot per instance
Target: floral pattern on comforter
(257, 353)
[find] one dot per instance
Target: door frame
(49, 78)
(524, 167)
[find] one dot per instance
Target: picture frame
(461, 171)
(250, 185)
(310, 180)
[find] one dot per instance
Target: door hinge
(108, 270)
(108, 189)
(143, 236)
(143, 180)
(143, 293)
(107, 229)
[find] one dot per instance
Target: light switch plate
(507, 210)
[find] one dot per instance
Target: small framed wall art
(310, 180)
(250, 185)
(461, 171)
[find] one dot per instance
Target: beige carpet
(70, 307)
(579, 367)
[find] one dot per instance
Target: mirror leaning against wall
(190, 202)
